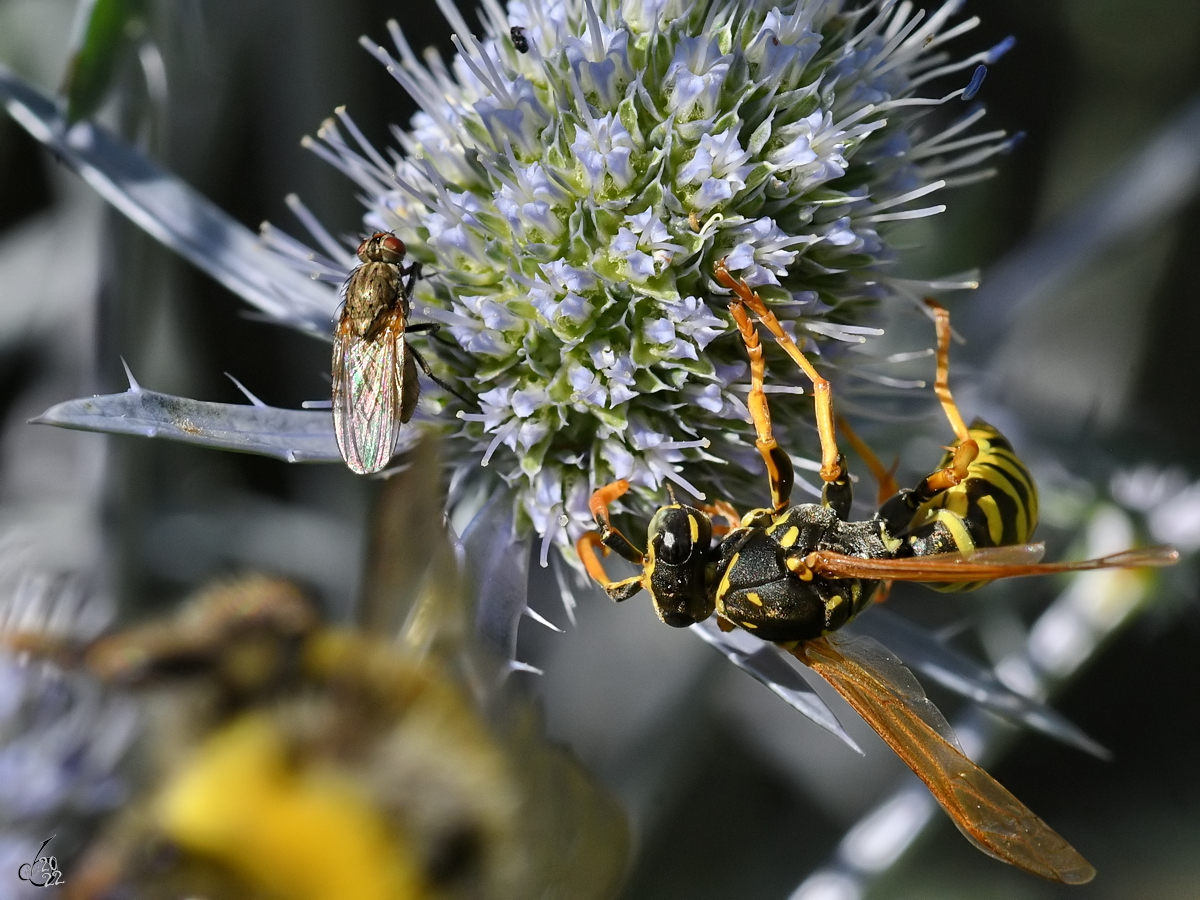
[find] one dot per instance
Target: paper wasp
(796, 574)
(375, 385)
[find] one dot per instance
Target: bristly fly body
(375, 386)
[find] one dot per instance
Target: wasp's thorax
(375, 287)
(763, 585)
(677, 554)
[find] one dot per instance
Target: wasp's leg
(941, 385)
(425, 366)
(898, 512)
(833, 468)
(609, 536)
(779, 465)
(885, 478)
(725, 510)
(618, 590)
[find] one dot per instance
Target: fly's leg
(432, 327)
(412, 275)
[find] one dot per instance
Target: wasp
(794, 575)
(375, 385)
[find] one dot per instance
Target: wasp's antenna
(670, 491)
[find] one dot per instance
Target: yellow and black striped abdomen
(994, 506)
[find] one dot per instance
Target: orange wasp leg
(885, 478)
(725, 510)
(833, 468)
(607, 539)
(586, 547)
(941, 384)
(965, 449)
(779, 465)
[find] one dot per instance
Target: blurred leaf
(103, 31)
(1149, 187)
(957, 672)
(765, 662)
(498, 565)
(174, 214)
(575, 833)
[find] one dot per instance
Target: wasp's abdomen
(996, 504)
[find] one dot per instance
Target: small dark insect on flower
(375, 385)
(517, 33)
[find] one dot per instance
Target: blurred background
(1080, 346)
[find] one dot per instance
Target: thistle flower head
(574, 176)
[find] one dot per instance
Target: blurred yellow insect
(289, 759)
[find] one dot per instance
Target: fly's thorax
(677, 555)
(372, 293)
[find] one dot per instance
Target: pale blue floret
(604, 149)
(696, 77)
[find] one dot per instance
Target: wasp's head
(677, 551)
(382, 247)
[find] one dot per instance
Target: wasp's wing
(982, 565)
(367, 383)
(954, 670)
(991, 818)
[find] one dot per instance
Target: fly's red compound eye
(392, 245)
(382, 247)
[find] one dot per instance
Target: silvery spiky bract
(573, 177)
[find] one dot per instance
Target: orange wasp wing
(982, 565)
(374, 392)
(988, 815)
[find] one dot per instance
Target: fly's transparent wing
(366, 394)
(988, 815)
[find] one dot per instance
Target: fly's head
(677, 555)
(382, 247)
